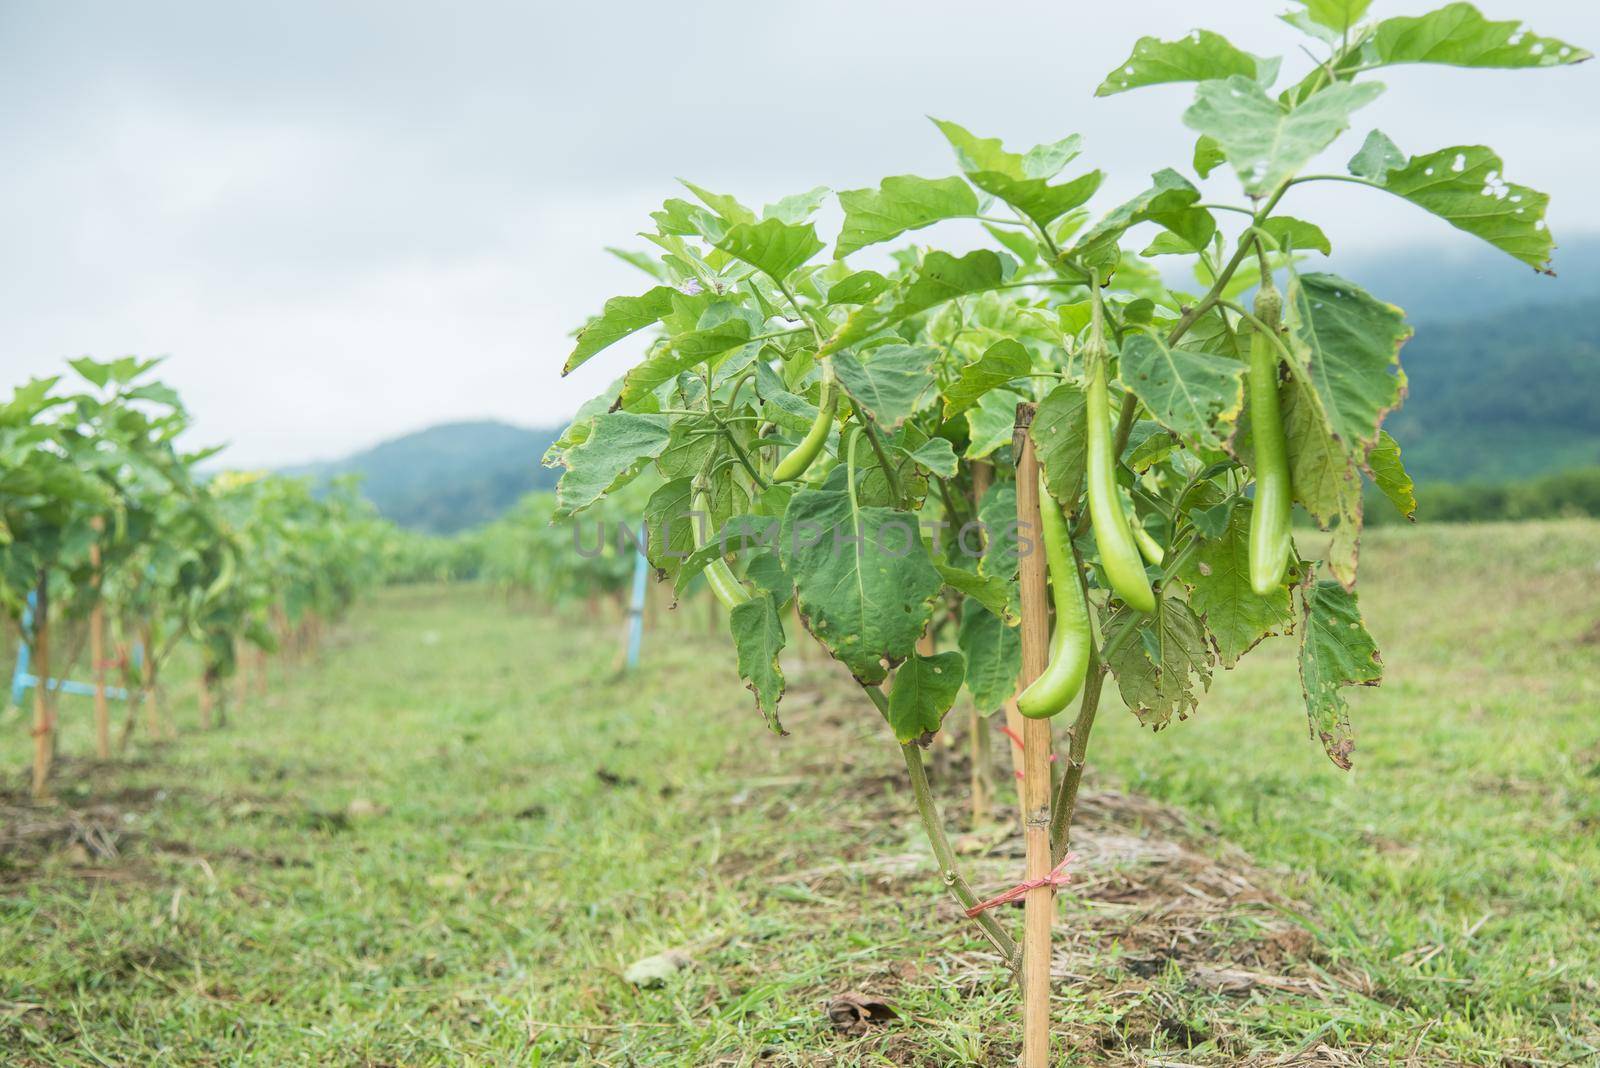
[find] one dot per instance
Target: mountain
(448, 477)
(1505, 395)
(1467, 279)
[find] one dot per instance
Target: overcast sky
(344, 221)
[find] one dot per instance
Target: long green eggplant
(1270, 543)
(1063, 676)
(1119, 554)
(725, 585)
(801, 456)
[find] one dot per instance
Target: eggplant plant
(1175, 367)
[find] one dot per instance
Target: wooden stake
(1039, 905)
(42, 712)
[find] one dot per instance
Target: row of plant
(117, 550)
(913, 448)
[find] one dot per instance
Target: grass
(445, 839)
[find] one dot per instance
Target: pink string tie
(1058, 877)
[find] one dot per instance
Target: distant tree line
(1564, 494)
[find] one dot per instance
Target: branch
(933, 826)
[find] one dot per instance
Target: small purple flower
(690, 287)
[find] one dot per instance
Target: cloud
(346, 221)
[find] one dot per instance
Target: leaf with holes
(1335, 651)
(890, 382)
(1218, 575)
(1194, 394)
(1459, 35)
(1165, 665)
(757, 640)
(1267, 142)
(923, 690)
(1199, 56)
(1464, 187)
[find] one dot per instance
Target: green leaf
(888, 382)
(858, 288)
(772, 246)
(724, 205)
(1169, 195)
(1335, 651)
(1266, 142)
(994, 593)
(616, 444)
(1164, 666)
(1191, 393)
(679, 218)
(797, 207)
(1022, 181)
(757, 640)
(1208, 155)
(1000, 363)
(1459, 35)
(642, 260)
(978, 155)
(1378, 156)
(1390, 476)
(620, 317)
(1324, 477)
(865, 585)
(991, 423)
(93, 371)
(1037, 199)
(998, 514)
(1219, 577)
(924, 689)
(1464, 187)
(993, 654)
(901, 203)
(1200, 56)
(1059, 438)
(680, 354)
(669, 528)
(940, 278)
(938, 456)
(1337, 15)
(1297, 234)
(1346, 345)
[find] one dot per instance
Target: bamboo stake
(97, 653)
(42, 714)
(1040, 902)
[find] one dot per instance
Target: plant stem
(876, 440)
(933, 827)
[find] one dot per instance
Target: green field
(445, 839)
